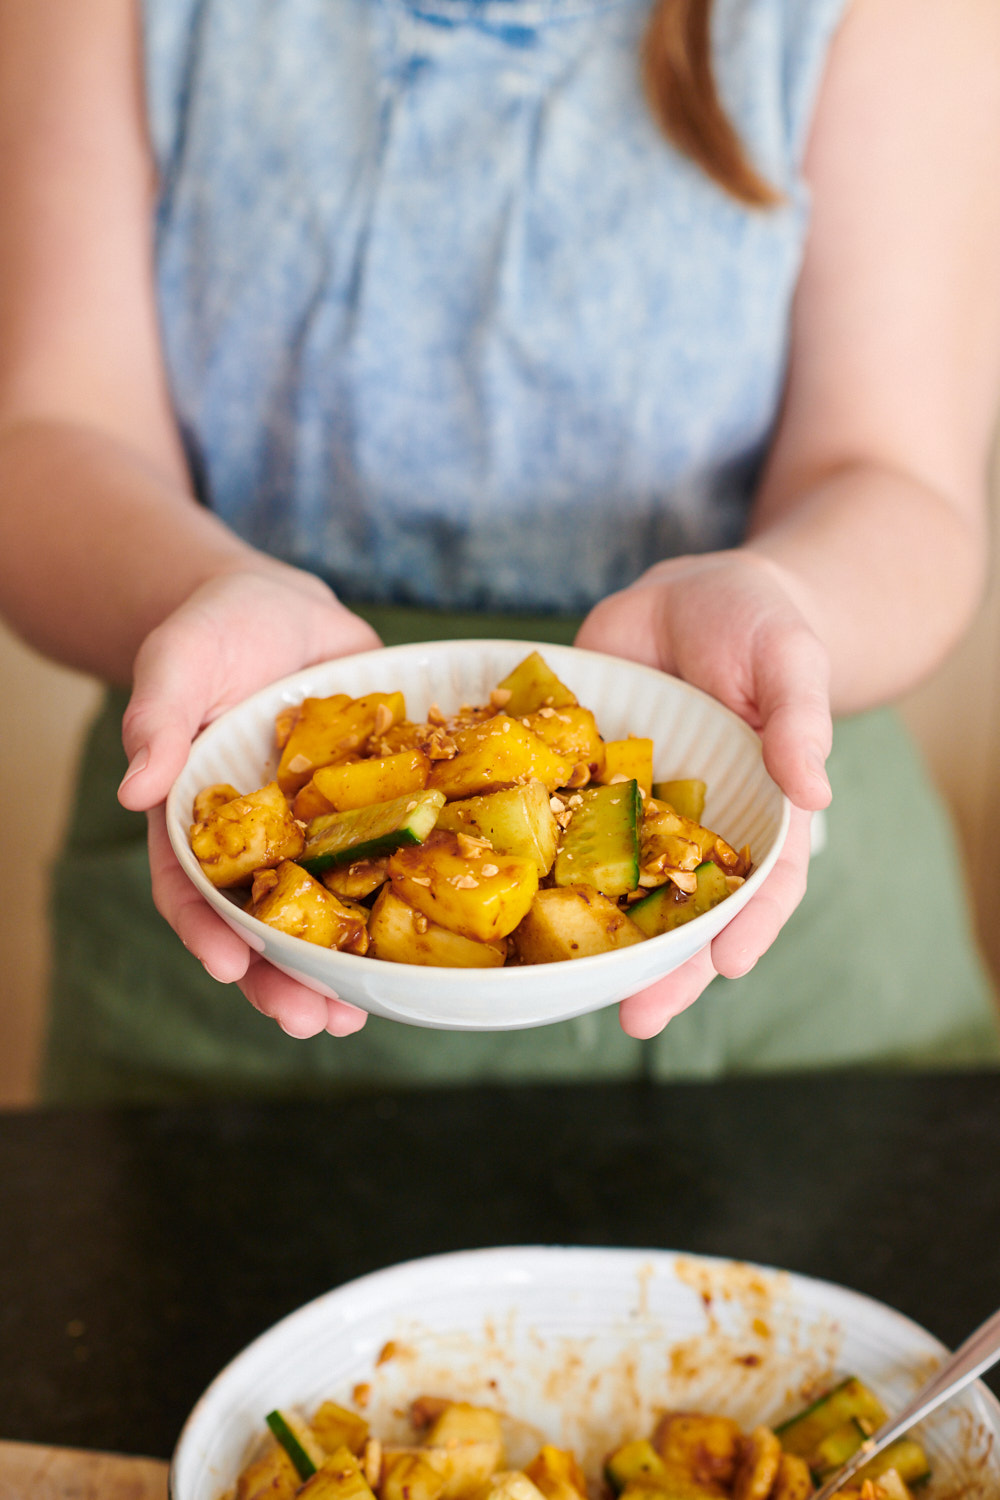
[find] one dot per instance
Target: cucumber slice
(665, 908)
(849, 1400)
(296, 1443)
(601, 845)
(368, 832)
(635, 1460)
(686, 796)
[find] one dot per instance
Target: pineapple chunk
(334, 729)
(211, 798)
(629, 760)
(356, 881)
(572, 921)
(510, 1484)
(337, 1426)
(557, 1474)
(709, 1448)
(249, 833)
(293, 901)
(339, 1477)
(572, 732)
(462, 1422)
(409, 1474)
(273, 1476)
(482, 898)
(793, 1480)
(401, 935)
(356, 783)
(516, 820)
(498, 752)
(533, 685)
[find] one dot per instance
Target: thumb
(165, 712)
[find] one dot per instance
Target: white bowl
(693, 735)
(583, 1348)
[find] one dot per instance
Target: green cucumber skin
(601, 845)
(304, 1466)
(850, 1398)
(661, 912)
(369, 832)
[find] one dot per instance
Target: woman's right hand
(236, 633)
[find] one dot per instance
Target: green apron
(876, 967)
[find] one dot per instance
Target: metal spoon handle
(979, 1351)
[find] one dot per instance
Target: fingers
(792, 693)
(200, 929)
(737, 947)
(234, 634)
(165, 711)
(300, 1012)
(752, 931)
(645, 1014)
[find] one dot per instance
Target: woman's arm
(101, 538)
(867, 547)
(873, 503)
(107, 561)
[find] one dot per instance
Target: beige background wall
(956, 717)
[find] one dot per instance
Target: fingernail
(139, 762)
(212, 975)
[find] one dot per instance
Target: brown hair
(679, 83)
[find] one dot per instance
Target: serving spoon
(979, 1351)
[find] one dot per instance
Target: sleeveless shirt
(446, 318)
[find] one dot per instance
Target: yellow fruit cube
(498, 752)
(402, 935)
(293, 901)
(572, 732)
(629, 760)
(532, 685)
(482, 897)
(572, 921)
(516, 820)
(329, 730)
(249, 833)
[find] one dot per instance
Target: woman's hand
(236, 633)
(731, 624)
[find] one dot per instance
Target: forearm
(98, 545)
(887, 571)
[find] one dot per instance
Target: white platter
(583, 1347)
(693, 736)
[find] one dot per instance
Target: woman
(422, 305)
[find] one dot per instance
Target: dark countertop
(140, 1249)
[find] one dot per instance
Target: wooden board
(30, 1470)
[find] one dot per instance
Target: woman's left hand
(730, 623)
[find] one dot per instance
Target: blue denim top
(446, 319)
